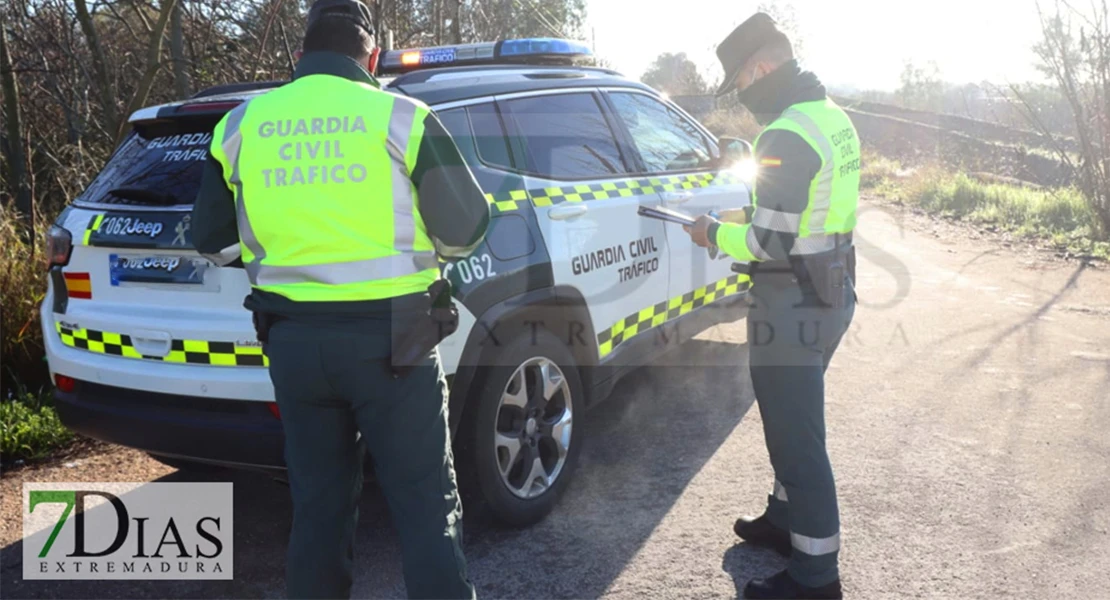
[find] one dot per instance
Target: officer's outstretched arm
(452, 205)
(215, 231)
(787, 166)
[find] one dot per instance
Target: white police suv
(150, 347)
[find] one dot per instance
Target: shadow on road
(744, 561)
(643, 447)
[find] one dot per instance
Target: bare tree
(1079, 63)
(177, 51)
(153, 63)
(13, 142)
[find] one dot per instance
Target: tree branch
(153, 53)
(100, 68)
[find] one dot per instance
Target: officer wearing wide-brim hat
(799, 243)
(341, 253)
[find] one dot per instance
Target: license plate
(180, 270)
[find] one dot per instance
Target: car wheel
(189, 466)
(521, 445)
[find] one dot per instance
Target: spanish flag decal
(78, 285)
(770, 161)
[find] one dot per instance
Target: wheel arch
(560, 309)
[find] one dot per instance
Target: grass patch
(29, 427)
(1060, 215)
(878, 173)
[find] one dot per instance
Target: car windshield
(152, 171)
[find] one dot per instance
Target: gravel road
(967, 416)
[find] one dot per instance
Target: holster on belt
(826, 275)
(439, 319)
(821, 277)
(263, 322)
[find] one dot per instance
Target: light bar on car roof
(535, 51)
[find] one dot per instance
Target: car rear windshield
(154, 168)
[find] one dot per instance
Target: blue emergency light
(531, 51)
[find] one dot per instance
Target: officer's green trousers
(792, 338)
(331, 381)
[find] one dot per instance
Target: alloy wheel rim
(533, 429)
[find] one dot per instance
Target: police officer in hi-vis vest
(798, 240)
(338, 196)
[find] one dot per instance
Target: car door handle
(677, 197)
(567, 211)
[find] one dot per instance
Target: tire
(186, 465)
(498, 413)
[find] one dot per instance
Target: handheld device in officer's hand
(442, 319)
(663, 214)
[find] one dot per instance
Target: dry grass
(737, 122)
(1057, 214)
(22, 287)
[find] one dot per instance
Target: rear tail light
(64, 384)
(274, 410)
(59, 244)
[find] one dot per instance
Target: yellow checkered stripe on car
(94, 225)
(625, 188)
(193, 352)
(654, 316)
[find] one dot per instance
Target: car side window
(455, 122)
(478, 129)
(666, 141)
(566, 136)
(493, 146)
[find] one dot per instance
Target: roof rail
(231, 88)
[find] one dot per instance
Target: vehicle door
(681, 157)
(579, 179)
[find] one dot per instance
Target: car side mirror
(734, 150)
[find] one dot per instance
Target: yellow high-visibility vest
(833, 193)
(326, 210)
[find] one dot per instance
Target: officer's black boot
(781, 585)
(760, 532)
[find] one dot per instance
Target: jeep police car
(150, 347)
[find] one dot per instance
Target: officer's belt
(843, 245)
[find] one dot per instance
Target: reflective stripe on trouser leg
(815, 546)
(778, 507)
(780, 492)
(232, 143)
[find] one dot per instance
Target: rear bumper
(227, 432)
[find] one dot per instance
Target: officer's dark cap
(352, 10)
(755, 33)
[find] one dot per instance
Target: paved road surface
(967, 412)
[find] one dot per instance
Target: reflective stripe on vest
(231, 143)
(835, 187)
(411, 265)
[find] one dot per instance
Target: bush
(29, 427)
(22, 287)
(1060, 214)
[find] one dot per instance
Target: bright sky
(859, 43)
